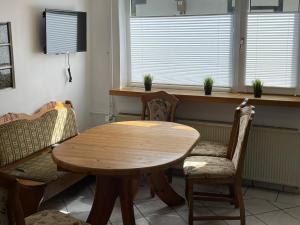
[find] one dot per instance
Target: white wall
(39, 77)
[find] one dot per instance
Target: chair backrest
(159, 106)
(22, 135)
(11, 212)
(235, 129)
(246, 115)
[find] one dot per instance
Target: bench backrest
(22, 135)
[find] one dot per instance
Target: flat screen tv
(65, 31)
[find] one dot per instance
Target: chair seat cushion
(209, 148)
(207, 167)
(51, 217)
(40, 168)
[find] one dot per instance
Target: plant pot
(148, 86)
(207, 90)
(257, 93)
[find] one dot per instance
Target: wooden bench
(26, 142)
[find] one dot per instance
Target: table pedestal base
(108, 188)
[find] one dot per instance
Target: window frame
(267, 90)
(171, 86)
(239, 43)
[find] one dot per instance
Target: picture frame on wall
(7, 78)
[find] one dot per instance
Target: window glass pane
(4, 56)
(142, 8)
(273, 5)
(182, 50)
(6, 78)
(272, 47)
(3, 34)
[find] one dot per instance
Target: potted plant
(257, 88)
(208, 85)
(148, 82)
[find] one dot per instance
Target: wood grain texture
(126, 148)
(216, 97)
(10, 117)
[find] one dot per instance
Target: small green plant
(208, 85)
(257, 88)
(148, 78)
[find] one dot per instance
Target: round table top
(126, 147)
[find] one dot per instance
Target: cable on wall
(69, 67)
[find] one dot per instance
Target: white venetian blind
(271, 53)
(182, 50)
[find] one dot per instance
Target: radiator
(273, 154)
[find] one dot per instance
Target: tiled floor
(262, 206)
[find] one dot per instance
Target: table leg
(164, 191)
(126, 199)
(107, 190)
(105, 197)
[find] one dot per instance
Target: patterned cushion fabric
(159, 109)
(207, 167)
(51, 217)
(3, 206)
(209, 148)
(21, 138)
(39, 168)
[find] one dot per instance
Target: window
(182, 49)
(272, 46)
(6, 60)
(181, 42)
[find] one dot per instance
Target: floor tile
(116, 215)
(140, 221)
(291, 199)
(156, 206)
(229, 211)
(261, 193)
(278, 218)
(183, 211)
(250, 220)
(212, 189)
(255, 206)
(216, 204)
(55, 204)
(81, 203)
(144, 193)
(295, 212)
(263, 203)
(166, 219)
(281, 205)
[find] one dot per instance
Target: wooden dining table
(119, 154)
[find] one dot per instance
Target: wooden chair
(210, 148)
(11, 212)
(159, 106)
(220, 171)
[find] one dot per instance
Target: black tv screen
(65, 31)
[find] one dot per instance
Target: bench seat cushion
(206, 167)
(209, 148)
(40, 168)
(51, 217)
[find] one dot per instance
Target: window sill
(216, 97)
